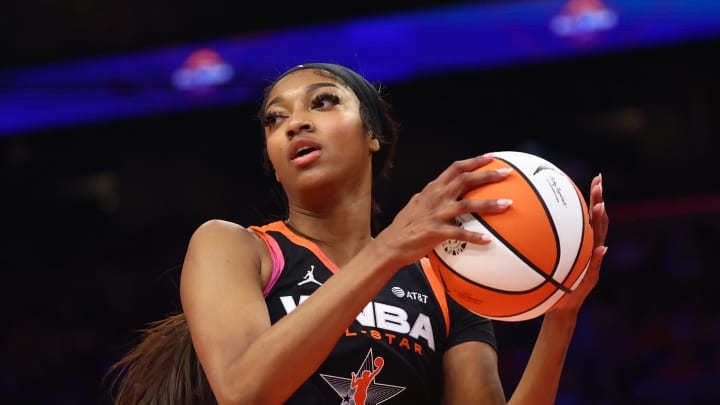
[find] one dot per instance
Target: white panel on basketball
(542, 307)
(545, 305)
(500, 267)
(562, 202)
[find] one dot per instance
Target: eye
(324, 100)
(271, 118)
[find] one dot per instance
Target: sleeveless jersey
(392, 352)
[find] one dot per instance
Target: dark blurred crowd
(649, 333)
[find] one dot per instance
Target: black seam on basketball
(506, 292)
(547, 277)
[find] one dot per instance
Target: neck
(341, 233)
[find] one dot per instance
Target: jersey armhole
(438, 287)
(278, 261)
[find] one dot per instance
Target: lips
(301, 147)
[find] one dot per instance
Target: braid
(162, 369)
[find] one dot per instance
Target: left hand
(571, 303)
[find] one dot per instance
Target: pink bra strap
(278, 260)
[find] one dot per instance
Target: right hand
(427, 219)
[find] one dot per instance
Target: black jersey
(392, 352)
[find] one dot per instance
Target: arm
(471, 375)
(242, 355)
(221, 291)
(540, 381)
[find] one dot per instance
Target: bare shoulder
(221, 234)
(220, 244)
(219, 228)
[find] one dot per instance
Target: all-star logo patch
(362, 388)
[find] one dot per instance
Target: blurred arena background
(115, 144)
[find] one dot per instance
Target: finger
(479, 207)
(448, 229)
(599, 223)
(465, 175)
(454, 232)
(463, 166)
(468, 181)
(598, 217)
(596, 190)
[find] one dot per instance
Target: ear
(374, 144)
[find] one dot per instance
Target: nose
(298, 124)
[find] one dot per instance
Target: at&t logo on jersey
(412, 295)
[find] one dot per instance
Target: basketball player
(317, 309)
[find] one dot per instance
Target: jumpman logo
(309, 277)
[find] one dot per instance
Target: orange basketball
(540, 248)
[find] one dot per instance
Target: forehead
(301, 80)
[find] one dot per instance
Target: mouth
(302, 148)
(304, 151)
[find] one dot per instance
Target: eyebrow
(310, 88)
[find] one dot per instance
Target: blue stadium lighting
(388, 48)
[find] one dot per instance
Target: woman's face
(314, 134)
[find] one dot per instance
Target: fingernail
(605, 251)
(503, 202)
(504, 171)
(488, 155)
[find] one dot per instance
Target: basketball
(540, 246)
